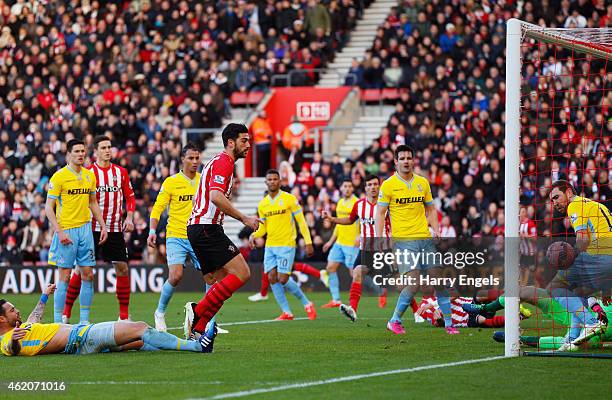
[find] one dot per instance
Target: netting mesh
(566, 124)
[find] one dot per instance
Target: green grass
(260, 356)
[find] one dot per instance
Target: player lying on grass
(35, 338)
(363, 210)
(430, 311)
(604, 313)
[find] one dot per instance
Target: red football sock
(265, 284)
(74, 289)
(307, 269)
(123, 295)
(495, 322)
(413, 305)
(214, 299)
(355, 295)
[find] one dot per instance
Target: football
(560, 255)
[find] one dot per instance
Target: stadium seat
(371, 95)
(390, 94)
(239, 99)
(254, 98)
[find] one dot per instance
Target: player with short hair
(342, 243)
(35, 338)
(112, 187)
(176, 194)
(592, 266)
(71, 200)
(364, 211)
(407, 197)
(215, 251)
(280, 212)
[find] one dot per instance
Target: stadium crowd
(141, 71)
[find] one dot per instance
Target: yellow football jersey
(595, 218)
(346, 235)
(279, 216)
(34, 341)
(71, 191)
(406, 202)
(177, 191)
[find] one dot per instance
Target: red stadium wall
(282, 106)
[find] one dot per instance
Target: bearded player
(112, 188)
(592, 266)
(35, 338)
(215, 251)
(364, 211)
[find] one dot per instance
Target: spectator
(262, 136)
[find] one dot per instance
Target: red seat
(371, 95)
(390, 94)
(239, 99)
(255, 97)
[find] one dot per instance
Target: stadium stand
(77, 69)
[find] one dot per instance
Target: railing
(289, 76)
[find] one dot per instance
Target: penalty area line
(346, 379)
(263, 321)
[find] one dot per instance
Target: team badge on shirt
(219, 179)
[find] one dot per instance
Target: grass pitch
(264, 356)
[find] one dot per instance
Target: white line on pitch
(263, 321)
(346, 379)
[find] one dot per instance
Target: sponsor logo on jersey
(187, 197)
(78, 191)
(106, 188)
(408, 200)
(276, 212)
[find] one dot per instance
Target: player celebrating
(364, 211)
(177, 192)
(214, 250)
(112, 186)
(280, 211)
(34, 338)
(343, 251)
(72, 190)
(407, 197)
(592, 266)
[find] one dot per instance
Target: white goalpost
(556, 55)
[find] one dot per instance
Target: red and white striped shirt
(458, 315)
(527, 228)
(365, 212)
(112, 185)
(218, 174)
(527, 231)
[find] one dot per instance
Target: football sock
(74, 288)
(445, 307)
(167, 341)
(214, 299)
(148, 347)
(86, 299)
(368, 282)
(123, 295)
(307, 269)
(59, 298)
(265, 285)
(165, 296)
(530, 340)
(293, 288)
(575, 305)
(495, 322)
(403, 301)
(207, 289)
(334, 286)
(414, 306)
(355, 295)
(281, 298)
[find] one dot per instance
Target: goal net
(558, 127)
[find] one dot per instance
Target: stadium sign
(313, 110)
